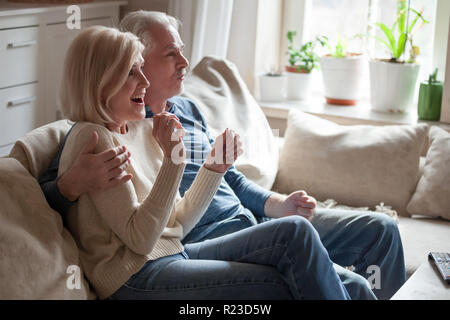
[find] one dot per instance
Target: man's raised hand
(226, 149)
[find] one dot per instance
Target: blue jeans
(368, 241)
(278, 259)
(354, 238)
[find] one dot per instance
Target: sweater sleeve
(197, 198)
(139, 225)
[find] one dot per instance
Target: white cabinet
(18, 56)
(33, 44)
(19, 112)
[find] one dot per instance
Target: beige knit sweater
(117, 230)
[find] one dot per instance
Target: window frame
(295, 17)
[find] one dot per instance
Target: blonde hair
(140, 23)
(96, 66)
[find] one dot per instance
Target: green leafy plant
(340, 49)
(305, 58)
(397, 45)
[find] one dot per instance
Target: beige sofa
(39, 259)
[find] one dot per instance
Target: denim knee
(297, 222)
(386, 227)
(359, 288)
(298, 228)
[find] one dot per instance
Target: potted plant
(430, 98)
(393, 81)
(342, 74)
(301, 63)
(272, 86)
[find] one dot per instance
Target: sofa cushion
(37, 148)
(432, 195)
(224, 100)
(355, 165)
(421, 235)
(38, 257)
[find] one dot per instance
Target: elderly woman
(129, 235)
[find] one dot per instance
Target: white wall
(268, 39)
(441, 36)
(242, 44)
(445, 111)
(151, 5)
(184, 11)
(255, 38)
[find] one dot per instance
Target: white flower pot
(298, 85)
(272, 88)
(392, 85)
(342, 78)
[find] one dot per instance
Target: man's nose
(183, 61)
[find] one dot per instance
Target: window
(347, 18)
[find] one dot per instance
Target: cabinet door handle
(17, 102)
(20, 44)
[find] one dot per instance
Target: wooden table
(425, 284)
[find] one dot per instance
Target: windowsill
(358, 114)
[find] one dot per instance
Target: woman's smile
(138, 98)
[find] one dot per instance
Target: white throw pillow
(355, 165)
(38, 257)
(224, 100)
(432, 196)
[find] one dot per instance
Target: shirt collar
(149, 113)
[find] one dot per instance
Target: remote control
(442, 262)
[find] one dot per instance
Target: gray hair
(140, 23)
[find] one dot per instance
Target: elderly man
(369, 242)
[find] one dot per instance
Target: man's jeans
(353, 238)
(368, 241)
(279, 259)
